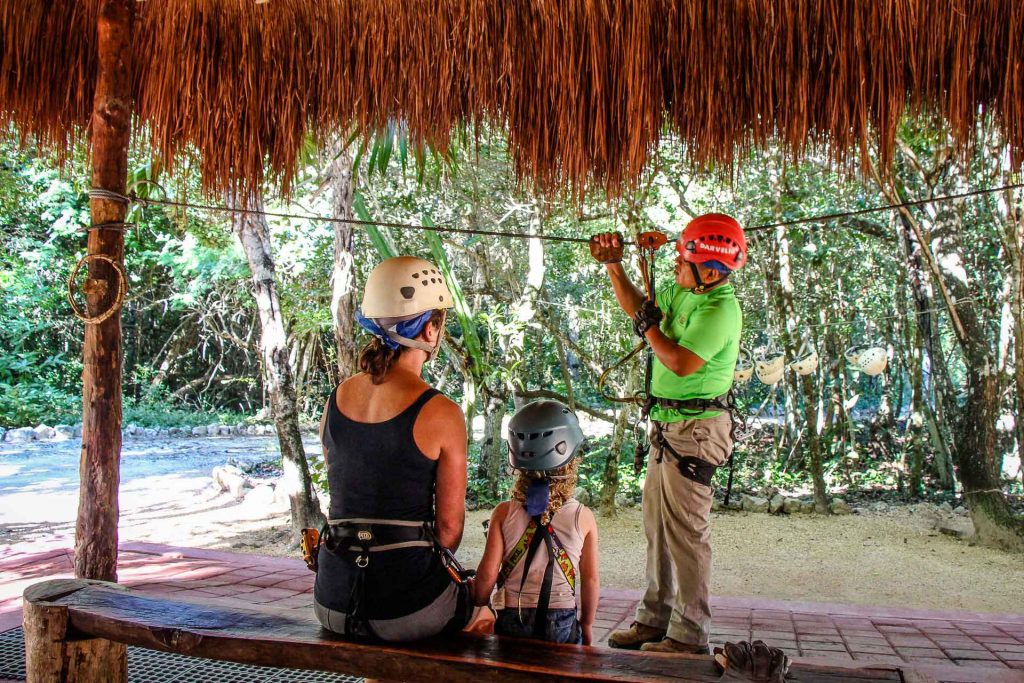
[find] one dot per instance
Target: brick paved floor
(988, 646)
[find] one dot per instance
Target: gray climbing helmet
(543, 436)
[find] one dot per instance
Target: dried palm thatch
(585, 88)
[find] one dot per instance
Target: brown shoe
(675, 647)
(636, 635)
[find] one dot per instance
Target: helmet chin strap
(701, 285)
(431, 349)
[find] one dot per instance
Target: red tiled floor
(983, 644)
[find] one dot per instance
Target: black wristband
(646, 317)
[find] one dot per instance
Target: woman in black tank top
(395, 451)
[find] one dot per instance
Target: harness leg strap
(693, 468)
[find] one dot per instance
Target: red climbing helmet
(714, 237)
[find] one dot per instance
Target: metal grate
(152, 666)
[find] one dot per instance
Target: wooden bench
(78, 630)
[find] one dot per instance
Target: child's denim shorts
(563, 626)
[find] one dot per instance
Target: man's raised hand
(606, 247)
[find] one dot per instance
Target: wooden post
(50, 656)
(96, 529)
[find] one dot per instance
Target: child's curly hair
(563, 486)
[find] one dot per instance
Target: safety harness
(358, 539)
(527, 545)
(692, 468)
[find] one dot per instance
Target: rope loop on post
(122, 289)
(100, 193)
(119, 226)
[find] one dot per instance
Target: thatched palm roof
(585, 88)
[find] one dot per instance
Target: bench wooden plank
(296, 640)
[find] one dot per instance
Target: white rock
(224, 430)
(755, 503)
(839, 507)
(211, 430)
(150, 433)
(947, 508)
(199, 431)
(44, 433)
(776, 503)
(281, 496)
(791, 506)
(261, 496)
(20, 435)
(66, 430)
(623, 501)
(807, 506)
(960, 511)
(230, 479)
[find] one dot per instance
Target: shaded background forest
(939, 286)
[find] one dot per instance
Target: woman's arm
(490, 563)
(323, 425)
(590, 574)
(449, 424)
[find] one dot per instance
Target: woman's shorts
(449, 612)
(562, 626)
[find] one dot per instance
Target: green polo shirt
(709, 325)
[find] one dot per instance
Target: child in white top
(542, 547)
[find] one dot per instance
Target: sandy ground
(894, 558)
(866, 559)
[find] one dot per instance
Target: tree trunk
(492, 450)
(254, 235)
(610, 477)
(343, 297)
(916, 414)
(978, 463)
(796, 388)
(96, 527)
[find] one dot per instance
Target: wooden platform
(97, 612)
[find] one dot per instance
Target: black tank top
(375, 470)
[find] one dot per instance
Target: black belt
(693, 405)
(375, 535)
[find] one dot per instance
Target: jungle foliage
(538, 318)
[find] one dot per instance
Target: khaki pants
(676, 513)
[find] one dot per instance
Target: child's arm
(490, 563)
(590, 575)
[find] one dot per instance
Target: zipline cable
(885, 207)
(448, 227)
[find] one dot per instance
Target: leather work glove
(756, 662)
(606, 247)
(646, 317)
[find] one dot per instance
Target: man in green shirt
(693, 329)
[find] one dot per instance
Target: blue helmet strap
(401, 333)
(538, 495)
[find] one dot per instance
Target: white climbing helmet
(806, 361)
(744, 367)
(770, 366)
(872, 361)
(403, 287)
